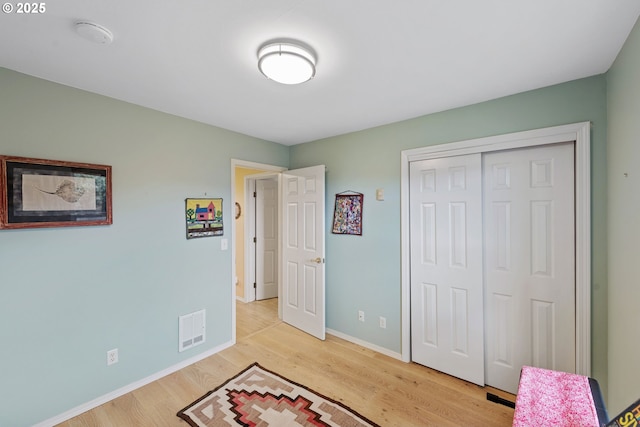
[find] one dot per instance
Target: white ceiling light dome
(286, 62)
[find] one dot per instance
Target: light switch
(224, 244)
(380, 194)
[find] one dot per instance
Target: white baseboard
(129, 388)
(365, 344)
(136, 385)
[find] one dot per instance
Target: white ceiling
(379, 61)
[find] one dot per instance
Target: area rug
(261, 398)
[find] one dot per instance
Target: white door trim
(578, 132)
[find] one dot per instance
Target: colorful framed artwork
(38, 193)
(204, 218)
(347, 214)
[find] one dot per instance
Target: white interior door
(266, 238)
(446, 265)
(530, 262)
(303, 253)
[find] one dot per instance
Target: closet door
(529, 261)
(446, 266)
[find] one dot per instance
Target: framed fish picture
(38, 193)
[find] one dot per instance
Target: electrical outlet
(361, 315)
(112, 356)
(383, 322)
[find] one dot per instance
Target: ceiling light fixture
(94, 32)
(286, 63)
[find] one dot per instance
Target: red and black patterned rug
(261, 398)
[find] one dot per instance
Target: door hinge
(255, 194)
(254, 285)
(255, 240)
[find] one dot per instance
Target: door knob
(317, 260)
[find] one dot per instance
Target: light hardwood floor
(383, 389)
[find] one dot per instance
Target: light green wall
(68, 295)
(624, 224)
(363, 273)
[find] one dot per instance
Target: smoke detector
(94, 32)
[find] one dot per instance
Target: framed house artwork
(204, 218)
(347, 214)
(38, 193)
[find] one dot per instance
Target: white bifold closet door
(446, 266)
(493, 263)
(529, 219)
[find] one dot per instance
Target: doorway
(266, 237)
(244, 224)
(243, 256)
(261, 237)
(297, 247)
(578, 133)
